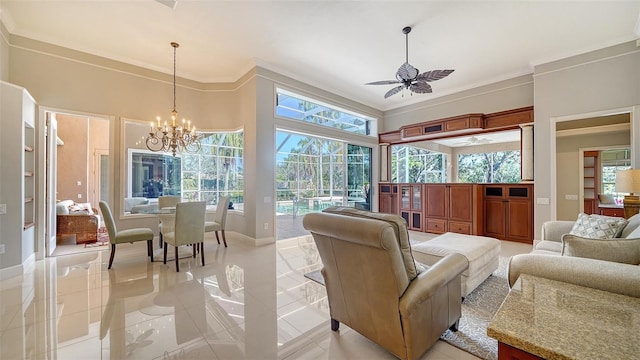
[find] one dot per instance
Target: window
(495, 167)
(216, 170)
(298, 107)
(410, 164)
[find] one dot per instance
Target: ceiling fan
(473, 140)
(410, 77)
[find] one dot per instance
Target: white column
(384, 162)
(526, 152)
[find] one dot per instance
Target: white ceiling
(481, 139)
(335, 45)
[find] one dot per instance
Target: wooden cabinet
(411, 205)
(590, 182)
(388, 198)
(611, 211)
(508, 211)
(454, 208)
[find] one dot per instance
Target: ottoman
(482, 253)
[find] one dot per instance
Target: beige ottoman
(482, 253)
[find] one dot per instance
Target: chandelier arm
(171, 137)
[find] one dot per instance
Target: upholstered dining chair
(124, 236)
(221, 218)
(188, 229)
(165, 202)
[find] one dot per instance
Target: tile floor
(246, 303)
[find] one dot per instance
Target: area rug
(478, 309)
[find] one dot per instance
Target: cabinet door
(495, 221)
(519, 221)
(405, 197)
(416, 197)
(461, 203)
(436, 204)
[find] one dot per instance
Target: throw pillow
(598, 226)
(621, 251)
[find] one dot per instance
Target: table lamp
(628, 181)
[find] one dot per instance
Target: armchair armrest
(428, 282)
(553, 230)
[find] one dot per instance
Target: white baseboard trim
(249, 240)
(10, 272)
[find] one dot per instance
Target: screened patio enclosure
(314, 173)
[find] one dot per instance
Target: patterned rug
(478, 309)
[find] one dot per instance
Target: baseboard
(249, 240)
(10, 272)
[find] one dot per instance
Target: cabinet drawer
(436, 226)
(460, 227)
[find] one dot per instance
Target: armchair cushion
(399, 227)
(621, 251)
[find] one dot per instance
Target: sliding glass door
(314, 173)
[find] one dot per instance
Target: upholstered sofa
(610, 265)
(136, 205)
(375, 287)
(80, 220)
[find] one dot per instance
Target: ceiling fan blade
(420, 87)
(384, 82)
(406, 72)
(393, 91)
(434, 75)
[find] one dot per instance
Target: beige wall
(72, 158)
(601, 80)
(504, 95)
(98, 143)
(4, 53)
(568, 166)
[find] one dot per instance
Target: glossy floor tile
(246, 303)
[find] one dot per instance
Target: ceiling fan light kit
(410, 77)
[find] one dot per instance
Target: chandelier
(173, 137)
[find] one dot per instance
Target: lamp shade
(628, 181)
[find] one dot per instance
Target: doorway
(313, 173)
(578, 166)
(77, 179)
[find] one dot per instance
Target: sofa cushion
(635, 234)
(129, 203)
(632, 225)
(399, 226)
(606, 199)
(549, 245)
(598, 226)
(621, 251)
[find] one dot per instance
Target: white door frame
(634, 122)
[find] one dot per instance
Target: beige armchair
(374, 286)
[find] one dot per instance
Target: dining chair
(164, 202)
(188, 229)
(220, 219)
(124, 236)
